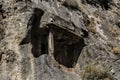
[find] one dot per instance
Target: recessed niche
(67, 46)
(63, 44)
(37, 36)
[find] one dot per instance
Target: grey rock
(55, 40)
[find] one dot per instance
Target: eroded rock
(50, 40)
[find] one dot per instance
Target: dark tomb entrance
(63, 44)
(38, 37)
(67, 46)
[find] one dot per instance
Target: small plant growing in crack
(96, 72)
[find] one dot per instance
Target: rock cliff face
(59, 40)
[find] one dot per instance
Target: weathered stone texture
(59, 39)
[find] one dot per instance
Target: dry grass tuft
(116, 50)
(2, 28)
(95, 72)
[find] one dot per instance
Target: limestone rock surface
(52, 40)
